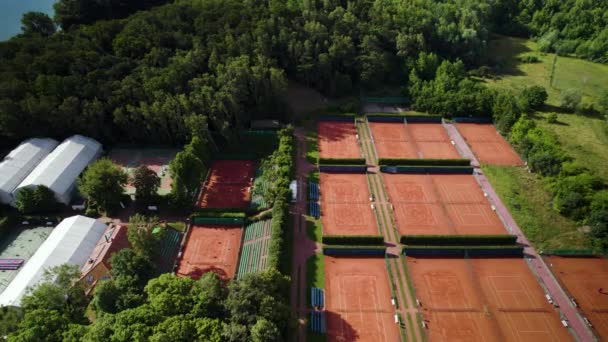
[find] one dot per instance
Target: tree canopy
(103, 183)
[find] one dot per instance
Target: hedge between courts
(508, 250)
(342, 161)
(229, 221)
(423, 162)
(354, 250)
(356, 240)
(217, 212)
(427, 169)
(459, 240)
(570, 252)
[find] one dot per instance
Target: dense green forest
(137, 78)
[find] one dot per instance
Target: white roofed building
(61, 168)
(18, 164)
(71, 242)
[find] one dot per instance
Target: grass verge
(312, 147)
(529, 202)
(179, 226)
(314, 229)
(315, 272)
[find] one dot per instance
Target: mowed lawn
(583, 138)
(530, 204)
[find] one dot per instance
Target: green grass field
(591, 78)
(584, 138)
(530, 204)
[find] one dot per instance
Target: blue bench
(317, 297)
(313, 191)
(317, 322)
(315, 210)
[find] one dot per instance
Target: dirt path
(407, 303)
(303, 247)
(536, 263)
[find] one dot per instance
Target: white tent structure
(60, 169)
(20, 162)
(71, 242)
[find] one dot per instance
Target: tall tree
(37, 23)
(146, 183)
(187, 172)
(103, 183)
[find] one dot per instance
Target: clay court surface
(493, 299)
(358, 300)
(488, 145)
(211, 249)
(338, 140)
(345, 205)
(155, 159)
(415, 140)
(228, 185)
(440, 204)
(583, 278)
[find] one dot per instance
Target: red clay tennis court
(338, 139)
(440, 204)
(415, 140)
(345, 205)
(392, 140)
(358, 300)
(211, 248)
(483, 299)
(586, 280)
(228, 185)
(488, 145)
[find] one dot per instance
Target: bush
(342, 161)
(573, 194)
(459, 240)
(423, 162)
(571, 98)
(545, 162)
(217, 212)
(552, 118)
(529, 59)
(533, 97)
(359, 240)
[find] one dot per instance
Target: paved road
(303, 247)
(535, 261)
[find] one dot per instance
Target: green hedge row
(230, 221)
(219, 211)
(209, 212)
(507, 250)
(280, 235)
(570, 252)
(354, 250)
(458, 240)
(358, 240)
(342, 161)
(423, 162)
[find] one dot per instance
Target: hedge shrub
(459, 240)
(428, 169)
(342, 161)
(216, 212)
(507, 250)
(423, 162)
(231, 221)
(357, 240)
(354, 250)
